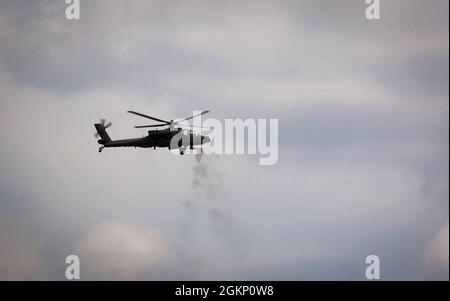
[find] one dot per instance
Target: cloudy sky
(363, 116)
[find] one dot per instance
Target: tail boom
(102, 133)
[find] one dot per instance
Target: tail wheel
(104, 125)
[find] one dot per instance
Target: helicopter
(186, 138)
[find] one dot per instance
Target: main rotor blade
(150, 126)
(149, 117)
(204, 112)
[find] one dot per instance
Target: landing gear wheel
(182, 150)
(100, 149)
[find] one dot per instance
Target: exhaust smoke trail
(204, 205)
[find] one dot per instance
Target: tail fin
(103, 134)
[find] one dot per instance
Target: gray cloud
(437, 254)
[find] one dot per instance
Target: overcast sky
(363, 116)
